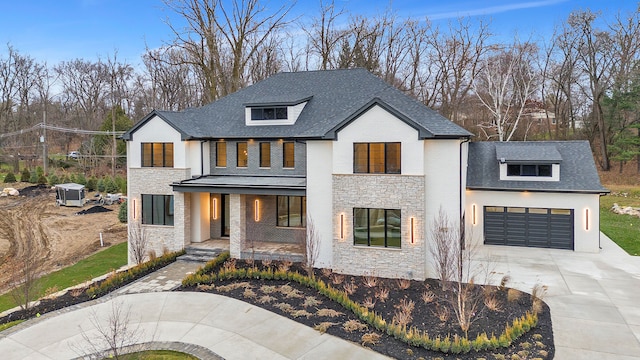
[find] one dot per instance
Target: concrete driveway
(594, 298)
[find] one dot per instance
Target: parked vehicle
(73, 154)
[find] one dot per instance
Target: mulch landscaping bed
(307, 306)
(69, 298)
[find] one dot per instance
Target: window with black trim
(265, 154)
(292, 211)
(242, 154)
(377, 227)
(540, 170)
(221, 154)
(157, 154)
(269, 113)
(157, 209)
(376, 158)
(288, 155)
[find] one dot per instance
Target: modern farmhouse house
(369, 167)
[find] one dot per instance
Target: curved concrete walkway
(228, 327)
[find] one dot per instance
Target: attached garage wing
(530, 227)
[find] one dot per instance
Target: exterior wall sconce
(341, 226)
(256, 210)
(214, 208)
(473, 214)
(412, 232)
(133, 208)
(586, 219)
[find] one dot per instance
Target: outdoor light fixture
(473, 213)
(133, 208)
(586, 219)
(341, 226)
(214, 210)
(256, 208)
(412, 232)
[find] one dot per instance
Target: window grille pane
(147, 209)
(376, 158)
(360, 155)
(394, 224)
(295, 211)
(146, 154)
(360, 226)
(528, 170)
(256, 114)
(392, 157)
(269, 113)
(513, 170)
(281, 113)
(157, 152)
(544, 170)
(283, 211)
(168, 154)
(376, 227)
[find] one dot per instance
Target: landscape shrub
(81, 179)
(92, 184)
(53, 179)
(25, 175)
(100, 185)
(110, 185)
(121, 182)
(41, 179)
(10, 178)
(117, 279)
(122, 212)
(33, 178)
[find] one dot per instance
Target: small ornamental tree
(92, 184)
(10, 178)
(100, 187)
(122, 212)
(54, 179)
(25, 175)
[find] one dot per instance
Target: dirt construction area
(57, 236)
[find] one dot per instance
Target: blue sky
(59, 30)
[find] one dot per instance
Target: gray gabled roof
(577, 169)
(523, 153)
(335, 97)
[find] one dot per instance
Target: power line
(59, 129)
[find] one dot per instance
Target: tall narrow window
(288, 154)
(376, 158)
(157, 154)
(242, 155)
(265, 154)
(221, 154)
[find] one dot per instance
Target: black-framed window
(221, 154)
(377, 227)
(376, 158)
(242, 156)
(540, 170)
(288, 155)
(157, 154)
(265, 154)
(269, 113)
(292, 211)
(157, 209)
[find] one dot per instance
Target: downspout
(201, 157)
(461, 206)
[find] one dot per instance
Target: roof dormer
(274, 113)
(523, 162)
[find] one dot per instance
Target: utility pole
(45, 156)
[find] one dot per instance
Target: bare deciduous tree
(312, 246)
(109, 334)
(138, 242)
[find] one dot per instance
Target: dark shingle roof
(577, 168)
(523, 153)
(335, 97)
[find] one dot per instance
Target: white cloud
(493, 9)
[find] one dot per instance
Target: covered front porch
(252, 217)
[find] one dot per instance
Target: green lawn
(95, 265)
(624, 230)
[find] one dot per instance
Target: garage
(529, 227)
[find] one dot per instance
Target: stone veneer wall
(156, 181)
(383, 192)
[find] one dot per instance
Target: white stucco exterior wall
(200, 217)
(319, 196)
(378, 125)
(585, 239)
(195, 150)
(156, 130)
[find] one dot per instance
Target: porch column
(237, 222)
(200, 217)
(181, 220)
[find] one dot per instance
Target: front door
(225, 215)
